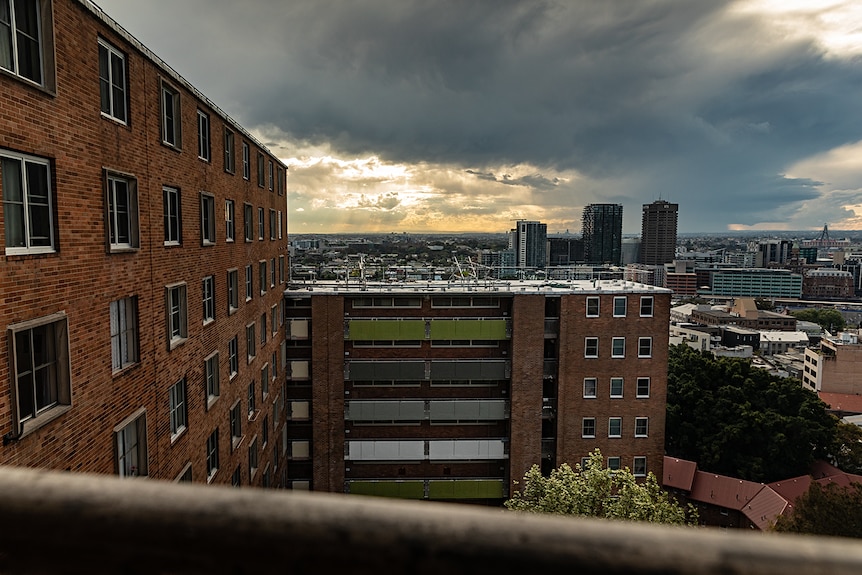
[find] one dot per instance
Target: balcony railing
(75, 523)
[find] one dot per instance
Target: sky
(464, 116)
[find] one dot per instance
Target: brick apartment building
(451, 392)
(143, 260)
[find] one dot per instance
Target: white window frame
(114, 100)
(641, 347)
(204, 144)
(233, 356)
(236, 417)
(618, 347)
(114, 218)
(614, 463)
(271, 224)
(639, 466)
(620, 301)
(252, 401)
(647, 305)
(212, 455)
(279, 225)
(261, 268)
(34, 199)
(249, 283)
(19, 37)
(591, 385)
(264, 381)
(229, 151)
(211, 378)
(208, 297)
(172, 133)
(232, 291)
(178, 408)
(272, 271)
(281, 269)
(621, 390)
(248, 222)
(124, 333)
(591, 342)
(593, 301)
(208, 226)
(176, 314)
(253, 462)
(173, 222)
(641, 426)
(246, 161)
(612, 421)
(130, 445)
(262, 329)
(261, 223)
(640, 380)
(229, 220)
(251, 341)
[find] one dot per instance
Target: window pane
(27, 35)
(39, 204)
(13, 203)
(5, 36)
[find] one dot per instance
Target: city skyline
(400, 118)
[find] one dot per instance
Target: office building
(528, 240)
(143, 243)
(658, 233)
(451, 392)
(603, 233)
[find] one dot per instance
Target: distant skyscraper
(529, 242)
(603, 233)
(658, 233)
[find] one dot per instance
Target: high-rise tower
(603, 233)
(529, 242)
(658, 233)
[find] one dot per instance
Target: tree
(738, 420)
(846, 450)
(829, 319)
(595, 491)
(825, 510)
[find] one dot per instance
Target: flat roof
(483, 287)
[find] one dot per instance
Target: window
(262, 329)
(122, 217)
(643, 387)
(229, 220)
(175, 303)
(641, 426)
(592, 306)
(251, 401)
(260, 168)
(274, 320)
(185, 475)
(589, 387)
(236, 478)
(209, 299)
(281, 269)
(171, 117)
(264, 381)
(591, 347)
(262, 276)
(124, 333)
(28, 210)
(208, 236)
(614, 463)
(588, 427)
(212, 455)
(639, 468)
(252, 459)
(272, 273)
(616, 387)
(620, 306)
(281, 181)
(646, 306)
(112, 81)
(178, 411)
(279, 224)
(246, 161)
(229, 157)
(248, 222)
(233, 356)
(615, 426)
(39, 361)
(264, 431)
(644, 347)
(250, 341)
(21, 49)
(130, 441)
(271, 175)
(618, 347)
(249, 274)
(260, 221)
(211, 376)
(236, 424)
(271, 224)
(232, 291)
(203, 136)
(173, 220)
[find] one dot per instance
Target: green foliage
(830, 510)
(598, 492)
(738, 420)
(828, 319)
(846, 450)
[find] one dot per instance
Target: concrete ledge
(75, 523)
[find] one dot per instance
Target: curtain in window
(27, 36)
(13, 202)
(5, 35)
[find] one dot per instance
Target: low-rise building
(834, 367)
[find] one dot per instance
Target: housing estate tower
(143, 243)
(658, 233)
(529, 243)
(603, 233)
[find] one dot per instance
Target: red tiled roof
(678, 473)
(765, 507)
(792, 488)
(723, 491)
(847, 402)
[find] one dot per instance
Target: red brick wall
(82, 279)
(327, 376)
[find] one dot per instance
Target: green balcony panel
(400, 489)
(484, 329)
(465, 489)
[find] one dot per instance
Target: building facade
(658, 233)
(603, 233)
(529, 242)
(754, 282)
(143, 238)
(452, 392)
(834, 366)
